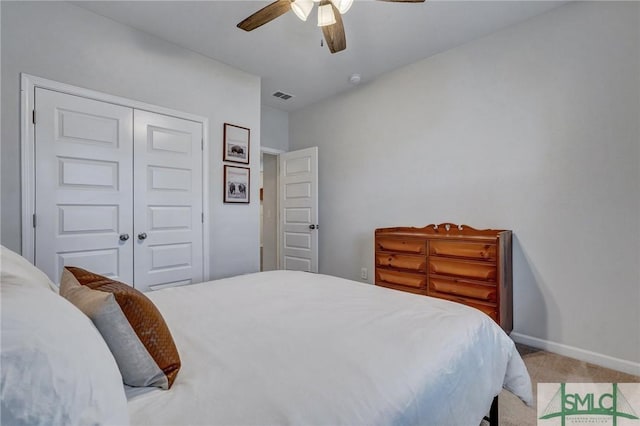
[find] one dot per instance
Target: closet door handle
(124, 237)
(142, 236)
(312, 227)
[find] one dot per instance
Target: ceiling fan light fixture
(325, 15)
(302, 8)
(343, 6)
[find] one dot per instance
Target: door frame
(28, 84)
(276, 152)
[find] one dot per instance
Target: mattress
(294, 348)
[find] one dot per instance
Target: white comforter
(293, 348)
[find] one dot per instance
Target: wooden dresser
(453, 262)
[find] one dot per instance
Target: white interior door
(168, 207)
(84, 203)
(298, 205)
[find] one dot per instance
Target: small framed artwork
(236, 143)
(236, 184)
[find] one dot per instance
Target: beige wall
(534, 129)
(275, 128)
(62, 42)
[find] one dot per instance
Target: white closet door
(167, 201)
(84, 204)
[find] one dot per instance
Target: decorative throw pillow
(130, 324)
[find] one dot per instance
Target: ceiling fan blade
(334, 33)
(266, 14)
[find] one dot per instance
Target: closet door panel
(167, 201)
(83, 177)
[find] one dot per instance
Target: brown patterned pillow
(130, 324)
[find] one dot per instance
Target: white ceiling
(286, 52)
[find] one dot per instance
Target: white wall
(62, 42)
(275, 128)
(534, 129)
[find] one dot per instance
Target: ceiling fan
(329, 17)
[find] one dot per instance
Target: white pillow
(16, 270)
(130, 324)
(56, 368)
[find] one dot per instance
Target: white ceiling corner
(286, 52)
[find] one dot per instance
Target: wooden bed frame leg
(494, 419)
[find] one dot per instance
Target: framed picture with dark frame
(236, 143)
(236, 184)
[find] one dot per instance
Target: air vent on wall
(282, 95)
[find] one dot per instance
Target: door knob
(142, 236)
(312, 227)
(124, 237)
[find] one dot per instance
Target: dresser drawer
(467, 250)
(462, 288)
(473, 270)
(402, 261)
(492, 311)
(404, 289)
(400, 245)
(406, 279)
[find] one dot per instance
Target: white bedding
(293, 348)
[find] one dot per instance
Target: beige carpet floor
(546, 367)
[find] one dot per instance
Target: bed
(294, 348)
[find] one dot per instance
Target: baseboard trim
(602, 360)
